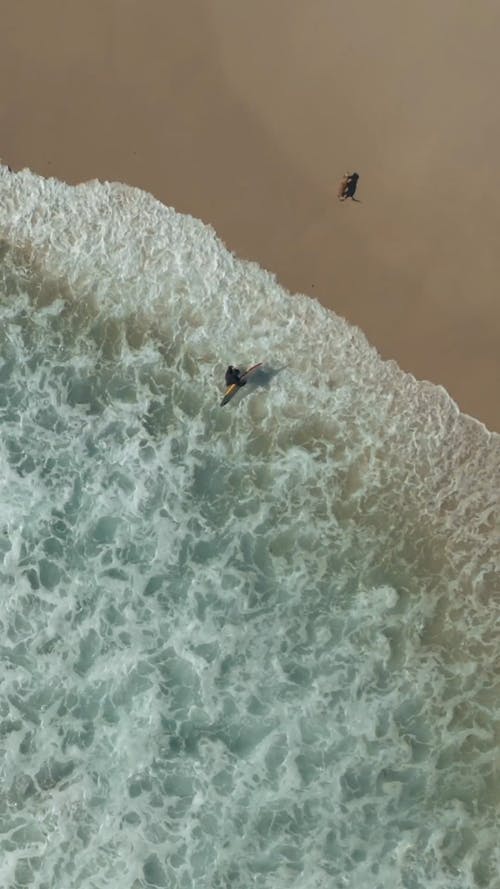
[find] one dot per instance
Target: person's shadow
(260, 378)
(264, 374)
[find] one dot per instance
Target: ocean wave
(251, 645)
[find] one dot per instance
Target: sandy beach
(247, 114)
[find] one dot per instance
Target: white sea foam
(242, 646)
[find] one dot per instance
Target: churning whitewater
(250, 646)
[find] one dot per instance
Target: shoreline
(176, 100)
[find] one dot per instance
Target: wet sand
(246, 115)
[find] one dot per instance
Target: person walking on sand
(347, 186)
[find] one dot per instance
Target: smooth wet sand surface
(247, 114)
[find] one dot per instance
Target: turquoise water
(254, 646)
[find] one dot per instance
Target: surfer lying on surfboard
(235, 379)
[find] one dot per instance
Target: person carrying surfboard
(347, 187)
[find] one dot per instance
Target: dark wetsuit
(233, 375)
(351, 186)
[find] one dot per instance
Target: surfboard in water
(233, 388)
